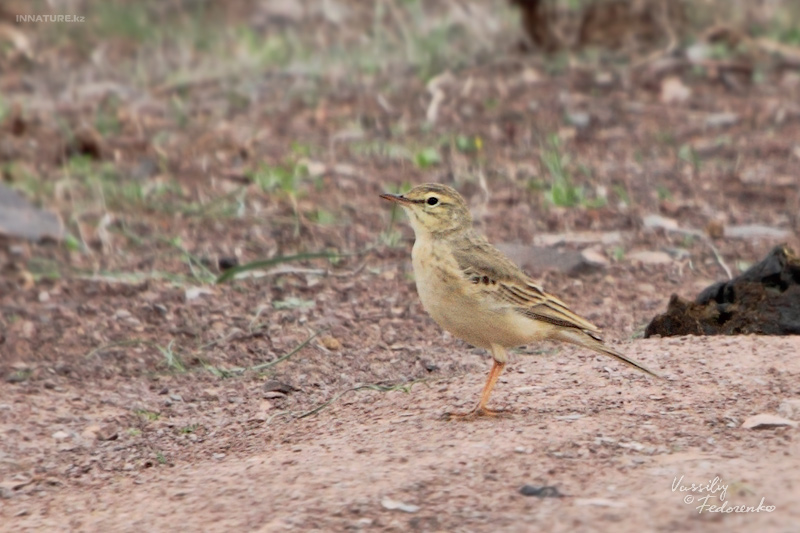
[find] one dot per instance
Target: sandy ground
(617, 446)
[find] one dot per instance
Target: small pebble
(546, 491)
(394, 505)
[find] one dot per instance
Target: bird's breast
(446, 295)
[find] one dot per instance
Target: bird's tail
(587, 340)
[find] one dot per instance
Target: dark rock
(226, 263)
(276, 386)
(431, 367)
(764, 300)
(545, 491)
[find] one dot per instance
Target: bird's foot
(477, 412)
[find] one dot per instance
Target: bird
(479, 295)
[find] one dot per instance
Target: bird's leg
(494, 374)
(498, 364)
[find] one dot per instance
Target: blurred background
(147, 122)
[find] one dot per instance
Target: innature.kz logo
(50, 18)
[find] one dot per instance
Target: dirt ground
(137, 394)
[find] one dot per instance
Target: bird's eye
(433, 200)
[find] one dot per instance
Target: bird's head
(433, 209)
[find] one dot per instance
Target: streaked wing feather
(503, 281)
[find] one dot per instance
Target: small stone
(579, 119)
(658, 221)
(790, 409)
(545, 491)
(60, 435)
(276, 386)
(218, 456)
(122, 314)
(756, 231)
(767, 421)
(192, 293)
(699, 52)
(720, 120)
(594, 257)
(650, 257)
(394, 505)
(44, 296)
(673, 90)
(604, 78)
(28, 329)
(18, 218)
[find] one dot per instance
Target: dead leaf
(715, 229)
(331, 343)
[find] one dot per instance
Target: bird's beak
(397, 198)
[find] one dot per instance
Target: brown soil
(132, 402)
(764, 300)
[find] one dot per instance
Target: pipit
(476, 293)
